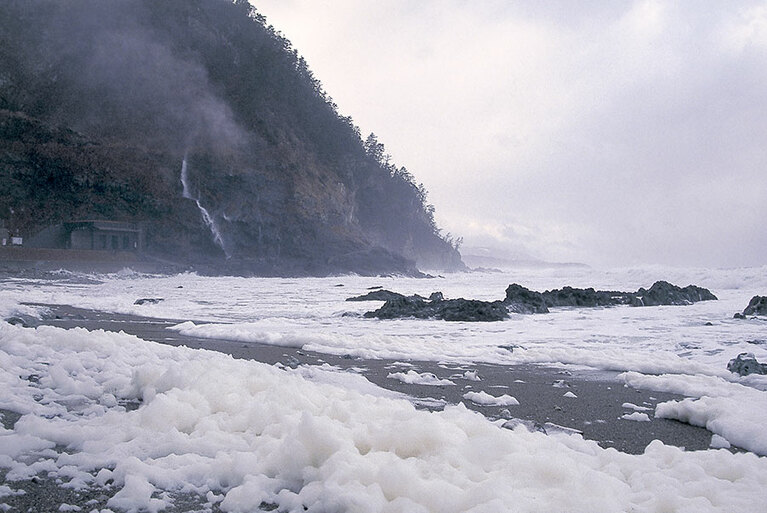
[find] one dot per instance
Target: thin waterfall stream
(206, 217)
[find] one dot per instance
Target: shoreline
(595, 411)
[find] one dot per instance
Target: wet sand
(595, 411)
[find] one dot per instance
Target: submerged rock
(745, 364)
(148, 301)
(448, 309)
(757, 306)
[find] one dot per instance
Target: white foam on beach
(636, 417)
(635, 407)
(486, 399)
(243, 433)
(694, 340)
(309, 313)
(412, 377)
(731, 410)
(681, 350)
(471, 376)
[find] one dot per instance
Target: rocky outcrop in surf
(757, 306)
(745, 364)
(468, 310)
(664, 293)
(522, 300)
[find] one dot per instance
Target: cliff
(197, 119)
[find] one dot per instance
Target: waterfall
(206, 217)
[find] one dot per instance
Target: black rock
(569, 296)
(522, 300)
(148, 301)
(745, 364)
(738, 315)
(377, 295)
(757, 306)
(449, 310)
(664, 293)
(471, 310)
(525, 301)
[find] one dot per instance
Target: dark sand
(595, 412)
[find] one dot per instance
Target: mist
(129, 83)
(611, 134)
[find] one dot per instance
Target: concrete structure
(91, 234)
(110, 235)
(5, 235)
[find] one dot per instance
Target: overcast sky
(611, 133)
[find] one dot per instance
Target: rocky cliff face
(105, 102)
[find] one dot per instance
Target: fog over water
(611, 134)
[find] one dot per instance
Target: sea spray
(206, 217)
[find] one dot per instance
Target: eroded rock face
(757, 306)
(745, 364)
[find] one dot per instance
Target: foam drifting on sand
(241, 433)
(731, 410)
(490, 400)
(412, 377)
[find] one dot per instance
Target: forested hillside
(103, 102)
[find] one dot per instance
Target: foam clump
(731, 410)
(636, 417)
(486, 399)
(412, 377)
